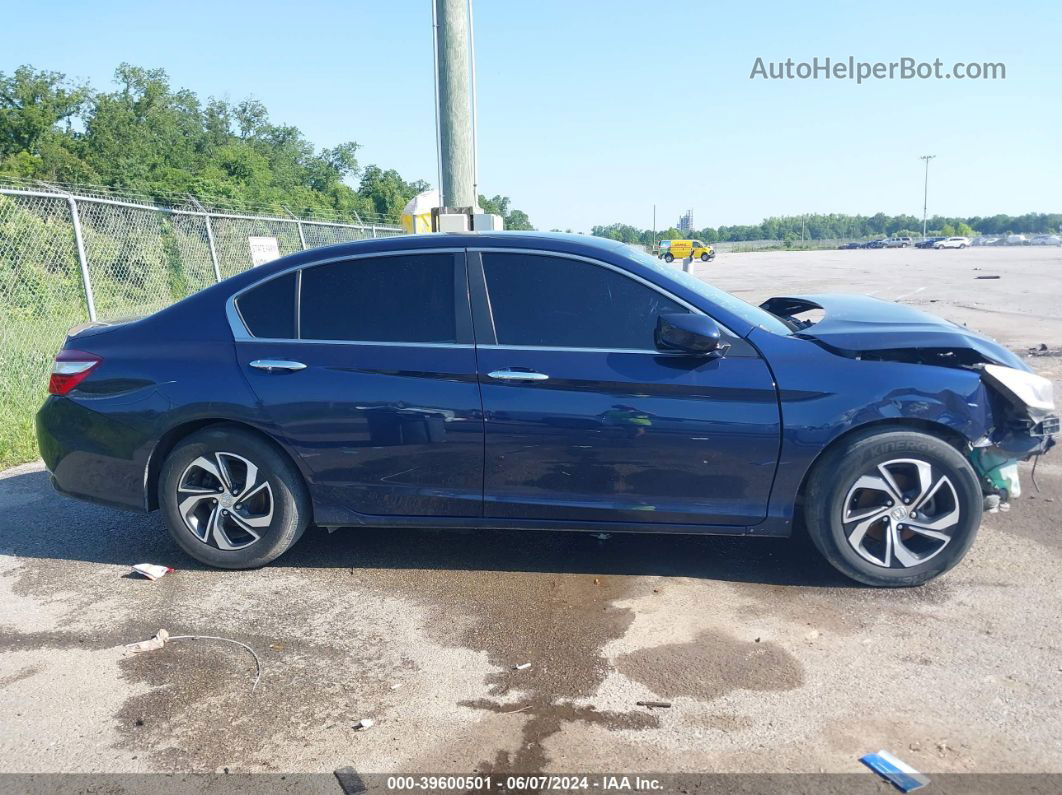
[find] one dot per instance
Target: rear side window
(565, 303)
(380, 299)
(269, 309)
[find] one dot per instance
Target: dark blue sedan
(541, 381)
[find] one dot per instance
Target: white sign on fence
(263, 249)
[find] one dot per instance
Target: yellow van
(671, 250)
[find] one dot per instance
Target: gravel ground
(771, 662)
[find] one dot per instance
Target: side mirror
(689, 333)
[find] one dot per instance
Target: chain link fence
(65, 259)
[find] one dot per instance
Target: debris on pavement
(152, 570)
(364, 723)
(986, 277)
(151, 644)
(654, 704)
(349, 781)
(902, 776)
(514, 711)
(521, 666)
(162, 637)
(1043, 350)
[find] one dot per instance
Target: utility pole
(653, 249)
(456, 155)
(925, 193)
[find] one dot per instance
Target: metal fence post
(373, 227)
(298, 225)
(213, 249)
(210, 237)
(82, 258)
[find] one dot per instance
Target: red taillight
(70, 369)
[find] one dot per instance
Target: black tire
(280, 485)
(834, 480)
(669, 257)
(705, 257)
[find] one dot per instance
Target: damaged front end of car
(1024, 419)
(1023, 407)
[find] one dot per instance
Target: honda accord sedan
(526, 381)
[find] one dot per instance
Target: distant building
(685, 222)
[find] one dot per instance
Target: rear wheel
(893, 508)
(232, 499)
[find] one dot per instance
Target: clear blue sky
(592, 111)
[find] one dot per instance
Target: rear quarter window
(268, 310)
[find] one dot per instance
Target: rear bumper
(91, 455)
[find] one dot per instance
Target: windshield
(743, 309)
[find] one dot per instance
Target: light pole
(925, 193)
(456, 130)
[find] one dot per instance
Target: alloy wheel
(225, 500)
(900, 513)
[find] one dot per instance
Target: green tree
(387, 191)
(516, 220)
(149, 137)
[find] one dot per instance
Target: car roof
(587, 245)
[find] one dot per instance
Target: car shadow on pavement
(41, 524)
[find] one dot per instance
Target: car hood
(859, 324)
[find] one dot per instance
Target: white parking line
(913, 292)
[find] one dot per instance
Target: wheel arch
(938, 429)
(172, 437)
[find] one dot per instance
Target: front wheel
(893, 508)
(232, 499)
(669, 257)
(705, 257)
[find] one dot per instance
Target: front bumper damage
(1021, 432)
(1021, 404)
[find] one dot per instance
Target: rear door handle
(509, 374)
(278, 365)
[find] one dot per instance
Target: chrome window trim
(558, 349)
(384, 343)
(241, 333)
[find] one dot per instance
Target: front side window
(408, 298)
(545, 301)
(268, 310)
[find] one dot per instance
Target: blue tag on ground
(904, 777)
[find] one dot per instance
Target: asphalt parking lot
(771, 662)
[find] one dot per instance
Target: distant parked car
(1017, 240)
(898, 242)
(929, 242)
(986, 240)
(952, 242)
(875, 244)
(853, 244)
(1046, 240)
